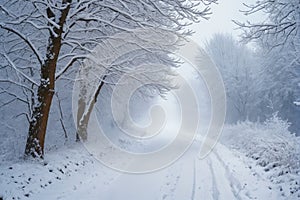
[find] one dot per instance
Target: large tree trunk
(38, 125)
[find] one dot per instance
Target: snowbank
(272, 147)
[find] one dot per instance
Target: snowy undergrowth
(272, 147)
(23, 179)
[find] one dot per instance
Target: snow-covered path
(221, 175)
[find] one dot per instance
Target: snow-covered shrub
(271, 146)
(277, 125)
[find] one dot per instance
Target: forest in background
(36, 36)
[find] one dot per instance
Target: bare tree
(282, 21)
(277, 36)
(143, 57)
(41, 40)
(237, 65)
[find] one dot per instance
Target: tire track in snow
(215, 190)
(224, 183)
(234, 184)
(204, 180)
(194, 180)
(247, 184)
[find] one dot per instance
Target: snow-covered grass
(22, 179)
(261, 161)
(72, 173)
(26, 179)
(271, 147)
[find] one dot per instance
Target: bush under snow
(272, 147)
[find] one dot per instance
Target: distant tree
(279, 82)
(278, 40)
(42, 40)
(237, 65)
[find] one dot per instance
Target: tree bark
(38, 124)
(83, 117)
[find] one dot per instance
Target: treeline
(262, 78)
(43, 43)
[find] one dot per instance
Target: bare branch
(25, 39)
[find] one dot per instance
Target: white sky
(221, 20)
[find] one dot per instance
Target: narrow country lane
(221, 175)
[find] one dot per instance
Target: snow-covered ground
(271, 148)
(226, 173)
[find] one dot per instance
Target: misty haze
(150, 99)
